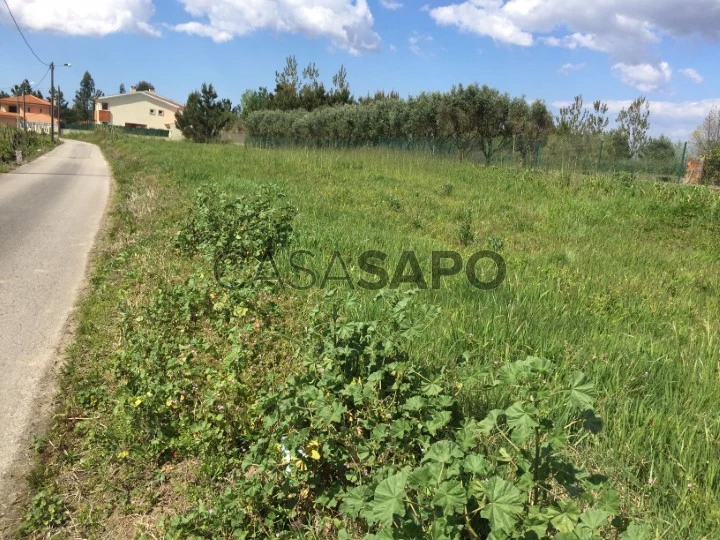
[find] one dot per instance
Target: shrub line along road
(50, 214)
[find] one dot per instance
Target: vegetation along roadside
(578, 400)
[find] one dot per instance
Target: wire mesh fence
(148, 132)
(583, 155)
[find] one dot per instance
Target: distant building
(144, 109)
(19, 111)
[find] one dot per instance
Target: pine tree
(205, 116)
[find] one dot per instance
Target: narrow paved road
(50, 214)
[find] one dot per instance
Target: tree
(254, 100)
(85, 97)
(616, 146)
(597, 120)
(122, 88)
(312, 94)
(706, 138)
(144, 86)
(287, 86)
(659, 150)
(340, 93)
(570, 118)
(530, 126)
(576, 120)
(4, 94)
(205, 116)
(635, 122)
(491, 116)
(423, 118)
(61, 103)
(25, 88)
(455, 117)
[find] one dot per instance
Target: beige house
(144, 109)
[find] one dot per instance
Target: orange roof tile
(29, 100)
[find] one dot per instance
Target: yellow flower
(313, 450)
(123, 454)
(300, 465)
(137, 402)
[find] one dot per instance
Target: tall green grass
(616, 277)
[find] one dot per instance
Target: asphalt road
(50, 213)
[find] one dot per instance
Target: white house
(144, 109)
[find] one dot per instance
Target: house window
(161, 112)
(152, 111)
(29, 110)
(13, 108)
(104, 106)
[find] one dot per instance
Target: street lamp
(52, 99)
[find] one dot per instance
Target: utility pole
(52, 101)
(58, 110)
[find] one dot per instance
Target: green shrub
(46, 510)
(7, 152)
(235, 233)
(365, 442)
(465, 234)
(711, 173)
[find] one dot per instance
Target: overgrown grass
(613, 276)
(31, 144)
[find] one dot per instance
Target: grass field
(613, 276)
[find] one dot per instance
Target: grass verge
(615, 277)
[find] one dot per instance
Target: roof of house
(29, 100)
(151, 95)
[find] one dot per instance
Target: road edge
(16, 494)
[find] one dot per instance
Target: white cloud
(565, 69)
(484, 17)
(416, 40)
(348, 23)
(678, 119)
(644, 77)
(693, 75)
(391, 4)
(96, 18)
(627, 30)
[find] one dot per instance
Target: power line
(32, 85)
(41, 80)
(23, 35)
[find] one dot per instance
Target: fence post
(602, 142)
(681, 165)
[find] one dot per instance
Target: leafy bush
(366, 442)
(16, 139)
(7, 153)
(465, 234)
(712, 167)
(394, 203)
(233, 232)
(46, 510)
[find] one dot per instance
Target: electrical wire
(41, 80)
(23, 35)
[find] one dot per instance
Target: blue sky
(550, 49)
